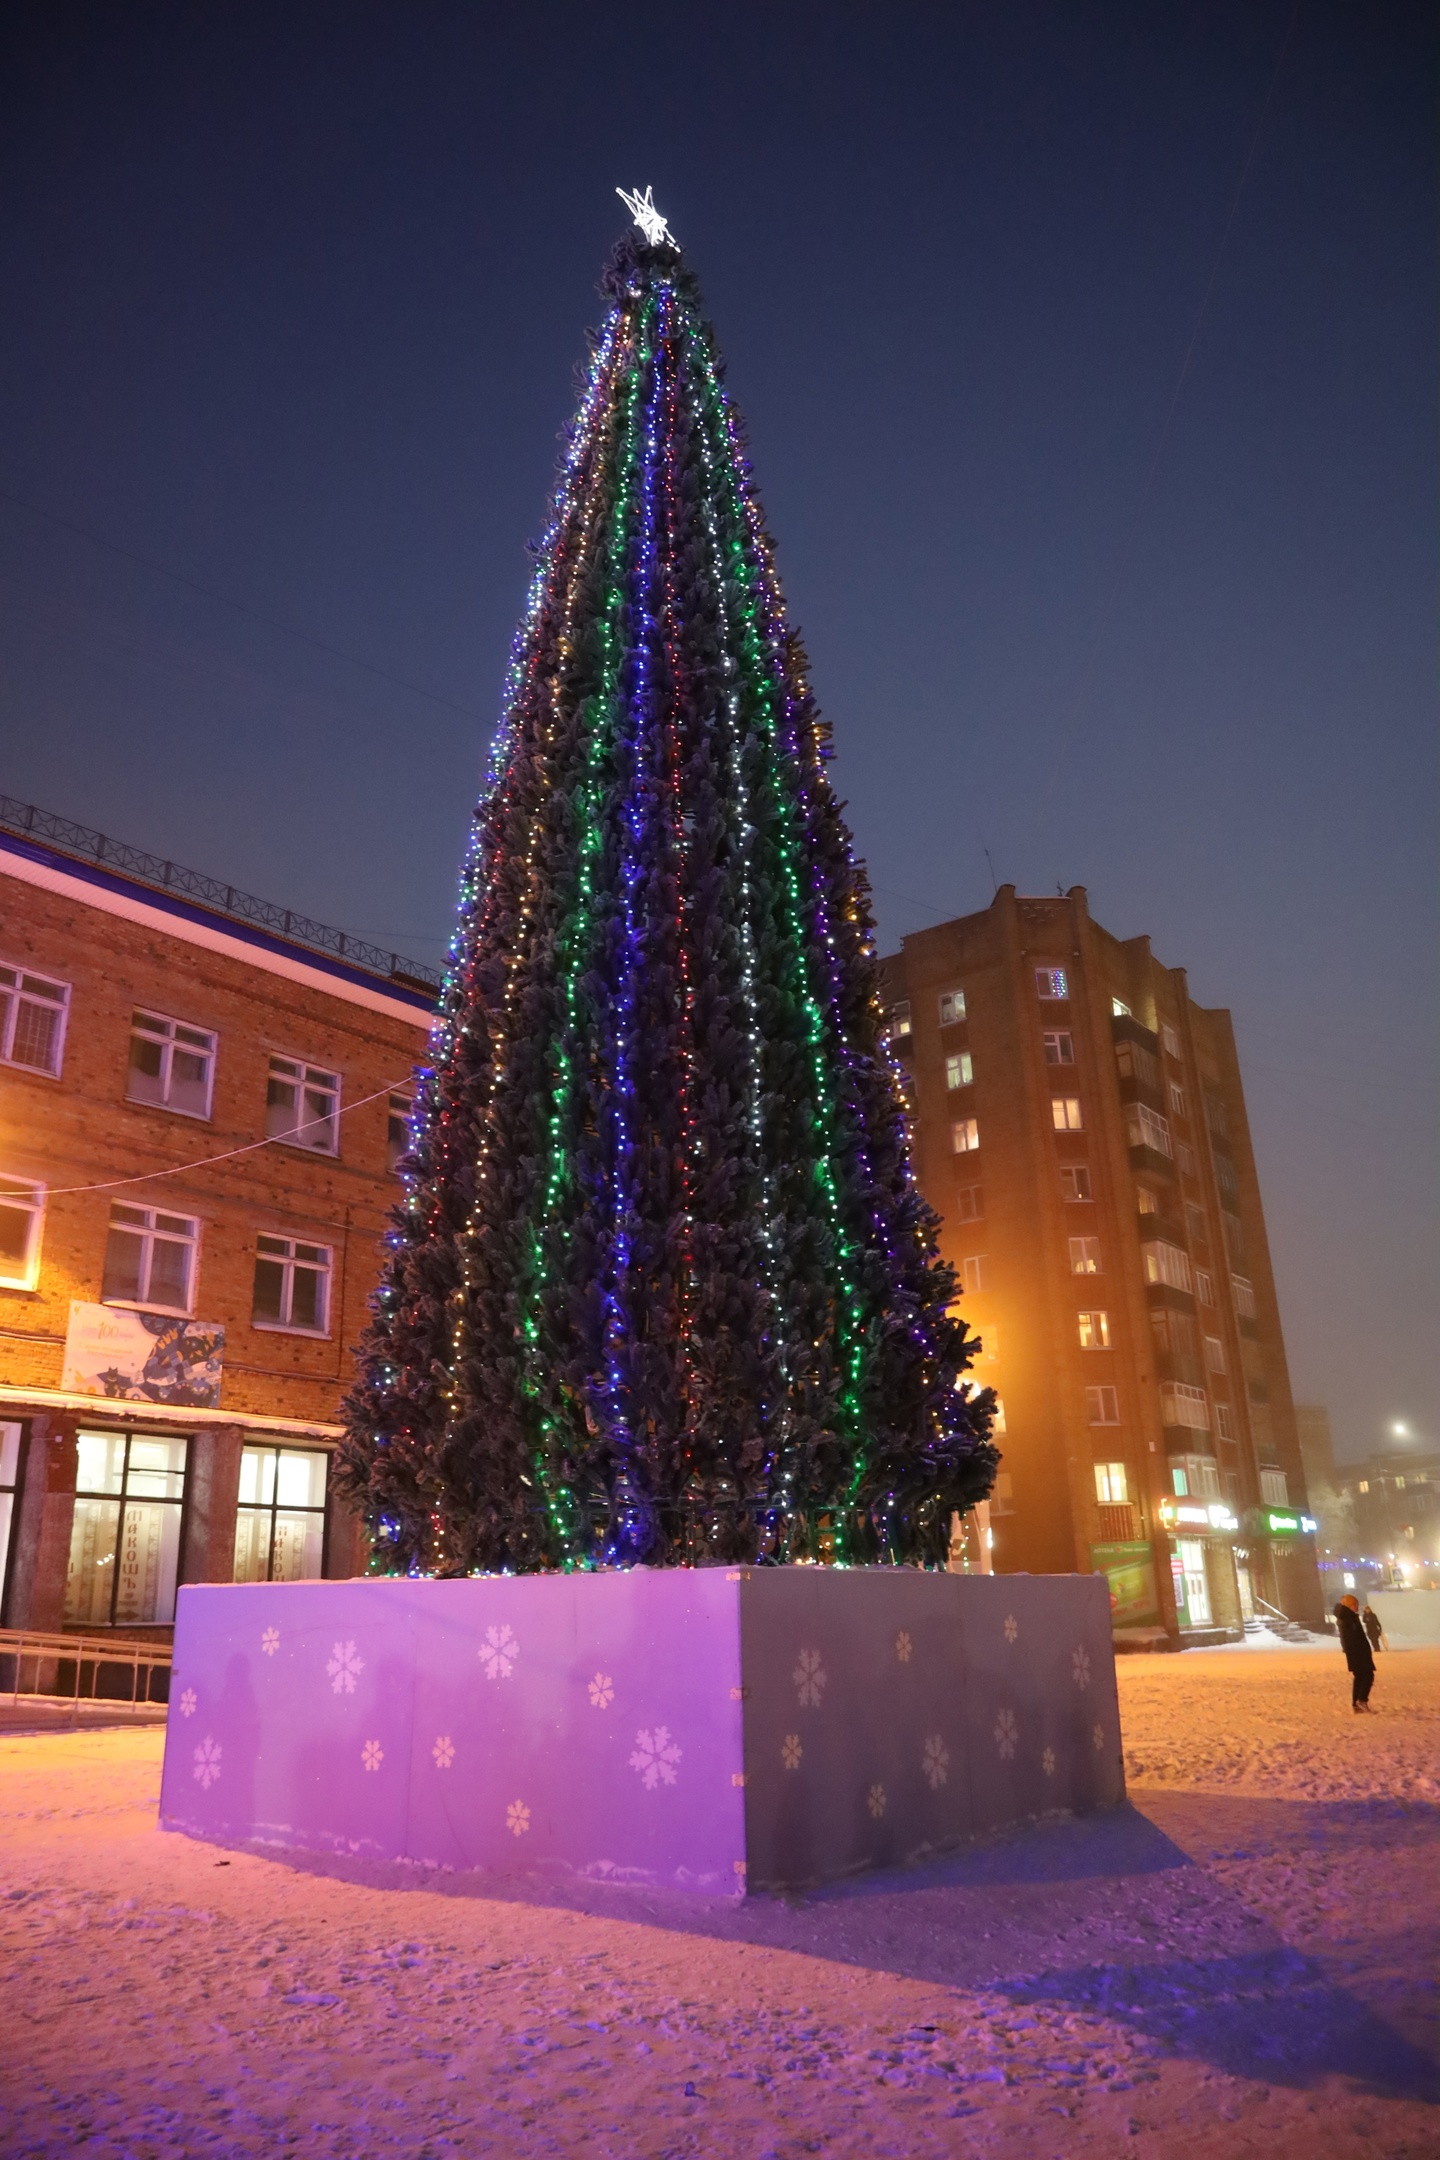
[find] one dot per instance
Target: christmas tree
(661, 1288)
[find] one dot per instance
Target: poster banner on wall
(1130, 1570)
(143, 1357)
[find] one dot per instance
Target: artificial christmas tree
(661, 1289)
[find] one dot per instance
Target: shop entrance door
(1197, 1589)
(1247, 1593)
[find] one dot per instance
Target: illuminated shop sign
(1215, 1516)
(1288, 1525)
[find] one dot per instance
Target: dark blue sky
(291, 300)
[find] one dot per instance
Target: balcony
(1124, 1027)
(1151, 1160)
(1164, 1293)
(1175, 1366)
(1117, 1523)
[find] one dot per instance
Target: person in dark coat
(1370, 1621)
(1358, 1655)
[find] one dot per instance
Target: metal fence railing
(82, 1669)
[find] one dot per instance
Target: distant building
(202, 1098)
(1395, 1502)
(1079, 1125)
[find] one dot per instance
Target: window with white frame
(1059, 1046)
(1215, 1354)
(22, 1216)
(1244, 1296)
(1177, 1099)
(1171, 1040)
(1204, 1286)
(280, 1521)
(1195, 1224)
(1065, 1113)
(1146, 1128)
(1185, 1406)
(1112, 1486)
(965, 1136)
(1102, 1406)
(959, 1071)
(1165, 1263)
(1185, 1156)
(292, 1285)
(974, 1272)
(1274, 1490)
(952, 1007)
(397, 1129)
(32, 1020)
(1147, 1201)
(125, 1532)
(1075, 1181)
(1119, 1010)
(1085, 1256)
(302, 1106)
(150, 1258)
(171, 1065)
(1094, 1330)
(1180, 1481)
(970, 1203)
(900, 1020)
(1224, 1421)
(1052, 982)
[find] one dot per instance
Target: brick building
(202, 1099)
(1079, 1125)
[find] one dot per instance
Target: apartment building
(202, 1101)
(1078, 1123)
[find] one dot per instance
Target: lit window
(1244, 1296)
(170, 1065)
(302, 1106)
(1102, 1406)
(974, 1272)
(1204, 1477)
(1059, 1047)
(1215, 1354)
(998, 1421)
(1166, 1264)
(1177, 1100)
(1146, 1201)
(1224, 1421)
(1399, 1484)
(965, 1136)
(1180, 1482)
(292, 1285)
(1065, 1113)
(900, 1020)
(1052, 982)
(1185, 1156)
(32, 1020)
(397, 1129)
(9, 1481)
(1273, 1489)
(1075, 1181)
(1185, 1406)
(125, 1532)
(1205, 1289)
(959, 1072)
(1085, 1256)
(1094, 1330)
(150, 1259)
(1364, 1485)
(952, 1007)
(970, 1203)
(1171, 1041)
(1112, 1488)
(280, 1522)
(22, 1212)
(1146, 1128)
(1119, 1009)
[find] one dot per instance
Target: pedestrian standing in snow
(1358, 1655)
(1371, 1621)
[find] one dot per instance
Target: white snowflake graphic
(517, 1818)
(903, 1647)
(270, 1641)
(875, 1801)
(1007, 1734)
(1080, 1666)
(187, 1702)
(602, 1691)
(207, 1762)
(372, 1754)
(1047, 1762)
(791, 1751)
(498, 1653)
(443, 1752)
(1012, 1627)
(935, 1762)
(810, 1677)
(344, 1666)
(655, 1757)
(1097, 1734)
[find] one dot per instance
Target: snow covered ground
(1241, 1962)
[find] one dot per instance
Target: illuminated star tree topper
(647, 217)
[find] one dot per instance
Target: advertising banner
(1130, 1571)
(143, 1357)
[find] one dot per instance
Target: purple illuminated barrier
(708, 1729)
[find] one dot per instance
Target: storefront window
(125, 1544)
(280, 1526)
(9, 1475)
(1197, 1590)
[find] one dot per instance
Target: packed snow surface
(1240, 1962)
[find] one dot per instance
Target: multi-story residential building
(1078, 1123)
(202, 1101)
(1394, 1499)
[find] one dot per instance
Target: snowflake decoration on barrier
(187, 1703)
(1007, 1734)
(372, 1754)
(791, 1751)
(1080, 1666)
(517, 1818)
(207, 1762)
(1012, 1627)
(1047, 1762)
(809, 1677)
(875, 1801)
(344, 1667)
(270, 1641)
(498, 1653)
(654, 1758)
(1097, 1734)
(443, 1752)
(935, 1762)
(602, 1691)
(903, 1646)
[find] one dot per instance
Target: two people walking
(1360, 1638)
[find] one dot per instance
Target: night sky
(1088, 354)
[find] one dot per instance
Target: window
(1244, 1296)
(959, 1072)
(1274, 1491)
(1224, 1421)
(1205, 1290)
(292, 1285)
(22, 1212)
(1119, 1010)
(997, 1423)
(1094, 1330)
(1364, 1485)
(397, 1129)
(1052, 982)
(1179, 1481)
(1075, 1181)
(280, 1525)
(1192, 1575)
(1146, 1128)
(965, 1136)
(1185, 1406)
(170, 1065)
(1195, 1223)
(32, 1020)
(900, 1020)
(1112, 1488)
(974, 1272)
(1177, 1100)
(125, 1538)
(1171, 1041)
(970, 1203)
(302, 1106)
(1059, 1047)
(1146, 1200)
(1135, 1062)
(1174, 1331)
(150, 1258)
(1185, 1156)
(1399, 1484)
(1002, 1500)
(1065, 1113)
(9, 1482)
(1215, 1354)
(952, 1007)
(1085, 1256)
(1166, 1264)
(1102, 1406)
